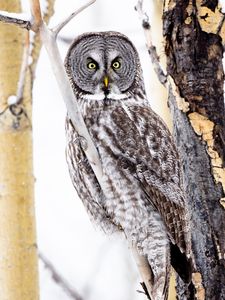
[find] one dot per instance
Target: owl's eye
(92, 65)
(116, 65)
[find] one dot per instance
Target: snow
(21, 16)
(12, 99)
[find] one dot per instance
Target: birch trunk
(194, 50)
(18, 249)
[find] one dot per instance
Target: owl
(143, 196)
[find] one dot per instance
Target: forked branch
(20, 20)
(60, 26)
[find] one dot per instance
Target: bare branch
(48, 39)
(59, 279)
(36, 41)
(151, 48)
(12, 18)
(144, 270)
(36, 13)
(60, 26)
(23, 70)
(14, 100)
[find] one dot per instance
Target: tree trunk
(18, 267)
(194, 53)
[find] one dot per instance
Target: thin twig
(60, 26)
(144, 270)
(151, 48)
(59, 279)
(12, 18)
(36, 13)
(23, 70)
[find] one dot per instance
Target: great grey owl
(144, 197)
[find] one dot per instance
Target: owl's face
(104, 64)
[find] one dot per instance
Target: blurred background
(96, 266)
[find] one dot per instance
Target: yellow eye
(116, 65)
(92, 65)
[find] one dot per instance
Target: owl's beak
(106, 81)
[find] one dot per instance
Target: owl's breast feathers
(135, 140)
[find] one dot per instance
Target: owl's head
(104, 64)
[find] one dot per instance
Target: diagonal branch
(36, 13)
(60, 26)
(19, 19)
(48, 38)
(59, 279)
(151, 48)
(49, 42)
(144, 270)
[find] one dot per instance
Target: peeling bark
(196, 99)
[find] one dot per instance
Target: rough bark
(194, 61)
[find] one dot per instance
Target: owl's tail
(181, 264)
(184, 267)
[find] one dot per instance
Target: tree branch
(48, 38)
(151, 48)
(19, 19)
(36, 41)
(25, 61)
(144, 270)
(59, 279)
(36, 13)
(60, 26)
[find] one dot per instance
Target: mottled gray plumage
(140, 163)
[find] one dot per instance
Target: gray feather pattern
(140, 162)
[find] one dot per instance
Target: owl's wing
(84, 180)
(144, 142)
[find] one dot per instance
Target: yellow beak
(106, 81)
